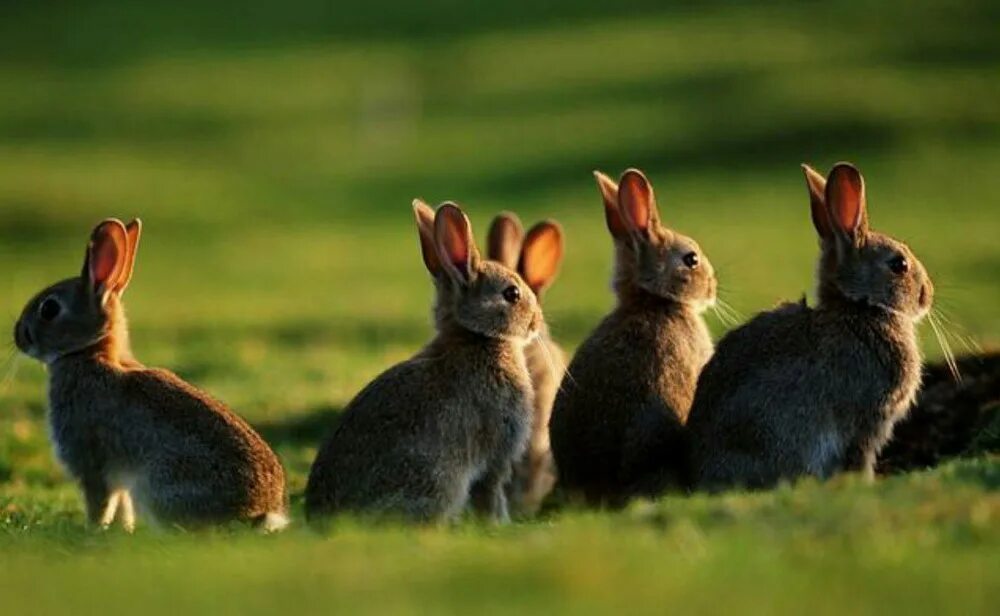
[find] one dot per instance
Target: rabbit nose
(925, 296)
(22, 337)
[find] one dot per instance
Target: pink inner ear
(454, 242)
(541, 256)
(636, 198)
(845, 198)
(107, 255)
(103, 261)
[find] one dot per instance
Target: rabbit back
(627, 397)
(186, 457)
(417, 438)
(798, 391)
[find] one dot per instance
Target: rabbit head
(535, 256)
(857, 264)
(81, 312)
(484, 297)
(651, 258)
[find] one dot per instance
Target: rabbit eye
(899, 264)
(512, 294)
(691, 260)
(49, 309)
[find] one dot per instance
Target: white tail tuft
(273, 522)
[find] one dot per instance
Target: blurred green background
(272, 150)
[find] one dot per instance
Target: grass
(273, 154)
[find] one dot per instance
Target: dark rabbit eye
(512, 294)
(49, 309)
(899, 265)
(691, 260)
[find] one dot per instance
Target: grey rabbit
(802, 390)
(617, 421)
(441, 430)
(536, 257)
(138, 438)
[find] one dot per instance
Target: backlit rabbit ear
(107, 254)
(845, 202)
(816, 184)
(612, 215)
(133, 231)
(637, 203)
(456, 246)
(425, 229)
(504, 240)
(542, 255)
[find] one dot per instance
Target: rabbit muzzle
(23, 339)
(925, 299)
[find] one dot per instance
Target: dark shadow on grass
(110, 32)
(979, 472)
(114, 123)
(950, 419)
(28, 223)
(777, 145)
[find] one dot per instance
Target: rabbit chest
(880, 382)
(83, 425)
(504, 415)
(679, 349)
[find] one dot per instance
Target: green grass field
(273, 153)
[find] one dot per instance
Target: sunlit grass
(279, 269)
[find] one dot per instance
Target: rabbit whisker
(732, 311)
(554, 365)
(723, 317)
(726, 313)
(11, 364)
(954, 331)
(949, 356)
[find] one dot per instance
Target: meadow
(272, 155)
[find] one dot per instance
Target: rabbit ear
(504, 239)
(425, 229)
(541, 256)
(107, 254)
(612, 215)
(456, 247)
(845, 202)
(637, 203)
(816, 184)
(133, 231)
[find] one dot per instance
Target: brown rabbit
(536, 257)
(617, 421)
(442, 429)
(814, 391)
(129, 433)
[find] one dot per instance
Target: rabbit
(440, 431)
(137, 437)
(536, 257)
(803, 390)
(617, 421)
